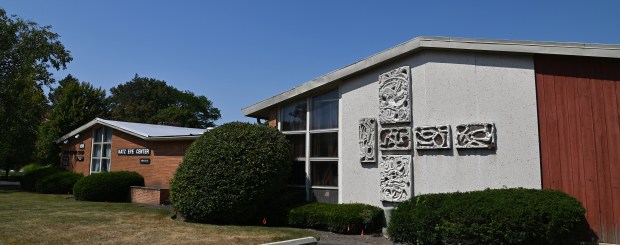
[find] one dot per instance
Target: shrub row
(107, 187)
(58, 183)
(30, 178)
(340, 218)
(505, 216)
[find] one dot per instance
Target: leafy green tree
(153, 101)
(28, 53)
(73, 104)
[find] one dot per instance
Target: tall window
(293, 124)
(311, 126)
(324, 140)
(102, 150)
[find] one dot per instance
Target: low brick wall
(149, 195)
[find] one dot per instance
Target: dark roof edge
(511, 46)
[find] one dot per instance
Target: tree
(73, 104)
(27, 54)
(150, 100)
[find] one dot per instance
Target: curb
(299, 241)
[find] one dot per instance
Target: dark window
(298, 144)
(325, 110)
(324, 144)
(324, 173)
(298, 173)
(294, 116)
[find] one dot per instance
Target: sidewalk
(329, 238)
(9, 185)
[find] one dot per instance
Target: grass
(27, 218)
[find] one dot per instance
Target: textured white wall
(450, 88)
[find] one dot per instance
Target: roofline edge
(430, 42)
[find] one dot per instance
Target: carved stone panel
(475, 135)
(396, 138)
(395, 173)
(394, 91)
(368, 139)
(432, 137)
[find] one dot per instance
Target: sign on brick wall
(134, 152)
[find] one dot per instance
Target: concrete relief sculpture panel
(395, 173)
(394, 93)
(368, 139)
(475, 136)
(396, 138)
(432, 137)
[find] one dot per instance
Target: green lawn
(27, 218)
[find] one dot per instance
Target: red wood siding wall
(579, 114)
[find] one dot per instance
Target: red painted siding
(579, 123)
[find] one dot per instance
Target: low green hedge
(29, 180)
(340, 218)
(107, 187)
(58, 183)
(504, 216)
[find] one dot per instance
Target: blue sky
(240, 52)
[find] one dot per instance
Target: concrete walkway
(329, 238)
(9, 185)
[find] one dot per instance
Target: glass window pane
(105, 165)
(108, 134)
(324, 144)
(94, 166)
(298, 144)
(324, 173)
(106, 150)
(98, 135)
(294, 116)
(325, 110)
(298, 173)
(96, 150)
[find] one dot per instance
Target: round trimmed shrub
(504, 216)
(107, 187)
(230, 174)
(58, 183)
(29, 180)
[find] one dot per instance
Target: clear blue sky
(240, 52)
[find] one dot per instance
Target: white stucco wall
(450, 88)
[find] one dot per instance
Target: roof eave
(173, 138)
(420, 43)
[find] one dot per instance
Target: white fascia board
(125, 130)
(419, 43)
(93, 123)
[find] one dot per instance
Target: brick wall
(150, 196)
(72, 150)
(273, 121)
(165, 156)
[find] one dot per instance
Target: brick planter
(149, 195)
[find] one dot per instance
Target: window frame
(308, 159)
(102, 143)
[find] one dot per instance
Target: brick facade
(165, 156)
(273, 118)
